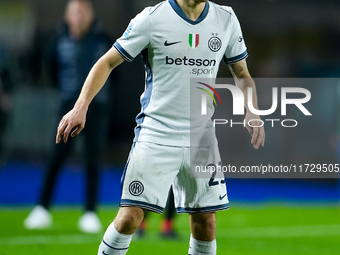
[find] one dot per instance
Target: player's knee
(203, 226)
(204, 219)
(208, 223)
(128, 219)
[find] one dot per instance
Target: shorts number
(212, 182)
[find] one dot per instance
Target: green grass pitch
(254, 230)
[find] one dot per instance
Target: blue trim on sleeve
(236, 59)
(203, 209)
(181, 13)
(145, 205)
(122, 52)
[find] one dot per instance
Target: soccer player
(178, 39)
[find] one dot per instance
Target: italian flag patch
(194, 40)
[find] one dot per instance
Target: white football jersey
(175, 49)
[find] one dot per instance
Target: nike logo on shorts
(166, 43)
(221, 197)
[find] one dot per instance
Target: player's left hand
(256, 131)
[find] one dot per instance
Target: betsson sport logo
(239, 109)
(206, 66)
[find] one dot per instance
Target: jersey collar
(181, 13)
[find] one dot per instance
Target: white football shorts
(152, 169)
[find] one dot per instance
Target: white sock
(114, 243)
(198, 247)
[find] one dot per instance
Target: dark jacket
(71, 60)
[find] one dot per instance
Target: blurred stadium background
(285, 39)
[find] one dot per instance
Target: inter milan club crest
(215, 43)
(136, 188)
(194, 40)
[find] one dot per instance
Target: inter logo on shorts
(194, 40)
(215, 44)
(136, 188)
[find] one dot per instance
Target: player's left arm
(243, 80)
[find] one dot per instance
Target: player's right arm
(128, 46)
(75, 119)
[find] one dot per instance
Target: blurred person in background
(5, 100)
(167, 225)
(80, 42)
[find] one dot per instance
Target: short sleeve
(136, 37)
(236, 49)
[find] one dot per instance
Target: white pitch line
(54, 239)
(248, 232)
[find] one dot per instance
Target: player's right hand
(73, 122)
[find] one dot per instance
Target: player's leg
(203, 234)
(92, 173)
(128, 219)
(52, 170)
(146, 180)
(40, 217)
(94, 135)
(56, 160)
(201, 197)
(203, 226)
(118, 235)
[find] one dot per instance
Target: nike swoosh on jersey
(166, 43)
(221, 197)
